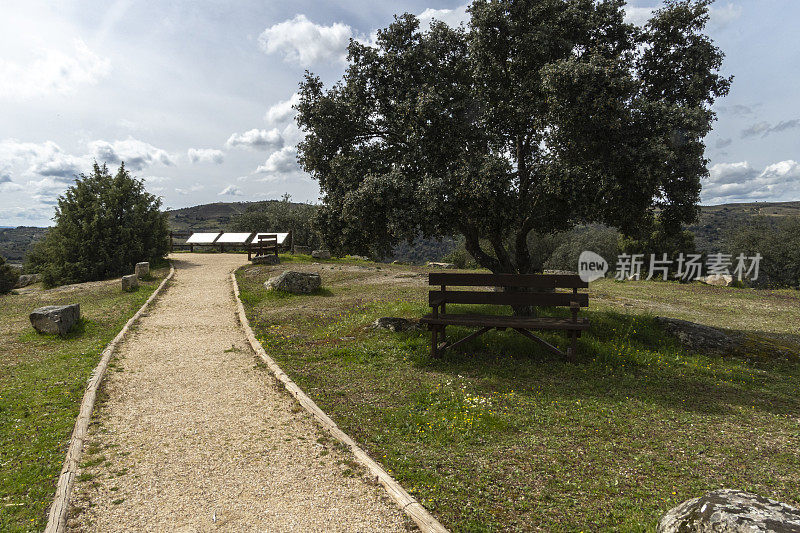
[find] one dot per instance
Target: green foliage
(282, 216)
(539, 116)
(601, 240)
(658, 240)
(778, 242)
(104, 225)
(556, 251)
(8, 276)
(500, 435)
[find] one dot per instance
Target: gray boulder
(26, 279)
(440, 265)
(295, 282)
(142, 270)
(55, 318)
(720, 280)
(730, 511)
(393, 323)
(265, 260)
(699, 337)
(321, 254)
(130, 282)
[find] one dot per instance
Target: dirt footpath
(194, 435)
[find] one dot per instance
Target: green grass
(502, 436)
(42, 381)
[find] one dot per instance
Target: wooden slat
(504, 321)
(544, 299)
(544, 281)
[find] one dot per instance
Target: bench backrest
(528, 295)
(268, 240)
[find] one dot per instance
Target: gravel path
(194, 436)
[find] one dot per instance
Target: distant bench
(519, 295)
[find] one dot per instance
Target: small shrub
(104, 225)
(779, 245)
(8, 276)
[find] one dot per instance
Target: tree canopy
(280, 215)
(536, 116)
(104, 225)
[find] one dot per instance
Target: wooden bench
(267, 244)
(521, 294)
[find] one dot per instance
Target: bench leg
(572, 351)
(434, 341)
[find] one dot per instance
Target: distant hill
(209, 217)
(14, 242)
(714, 222)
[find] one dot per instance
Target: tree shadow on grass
(621, 356)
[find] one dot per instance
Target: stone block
(130, 283)
(56, 319)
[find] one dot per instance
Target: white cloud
(451, 17)
(638, 15)
(6, 185)
(282, 161)
(256, 139)
(205, 155)
(46, 190)
(135, 153)
(765, 128)
(303, 42)
(282, 111)
(719, 16)
(194, 188)
(740, 182)
(722, 16)
(41, 159)
(292, 134)
(231, 190)
(53, 71)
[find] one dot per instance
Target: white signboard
(233, 238)
(281, 237)
(202, 238)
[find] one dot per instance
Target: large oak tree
(537, 116)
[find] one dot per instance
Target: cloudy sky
(195, 96)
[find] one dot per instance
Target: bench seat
(506, 321)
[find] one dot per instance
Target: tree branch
(473, 246)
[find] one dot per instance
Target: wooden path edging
(415, 510)
(57, 520)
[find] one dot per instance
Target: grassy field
(42, 381)
(502, 436)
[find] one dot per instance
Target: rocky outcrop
(395, 324)
(698, 337)
(730, 511)
(55, 319)
(266, 260)
(440, 265)
(295, 282)
(321, 254)
(26, 279)
(130, 283)
(142, 270)
(720, 280)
